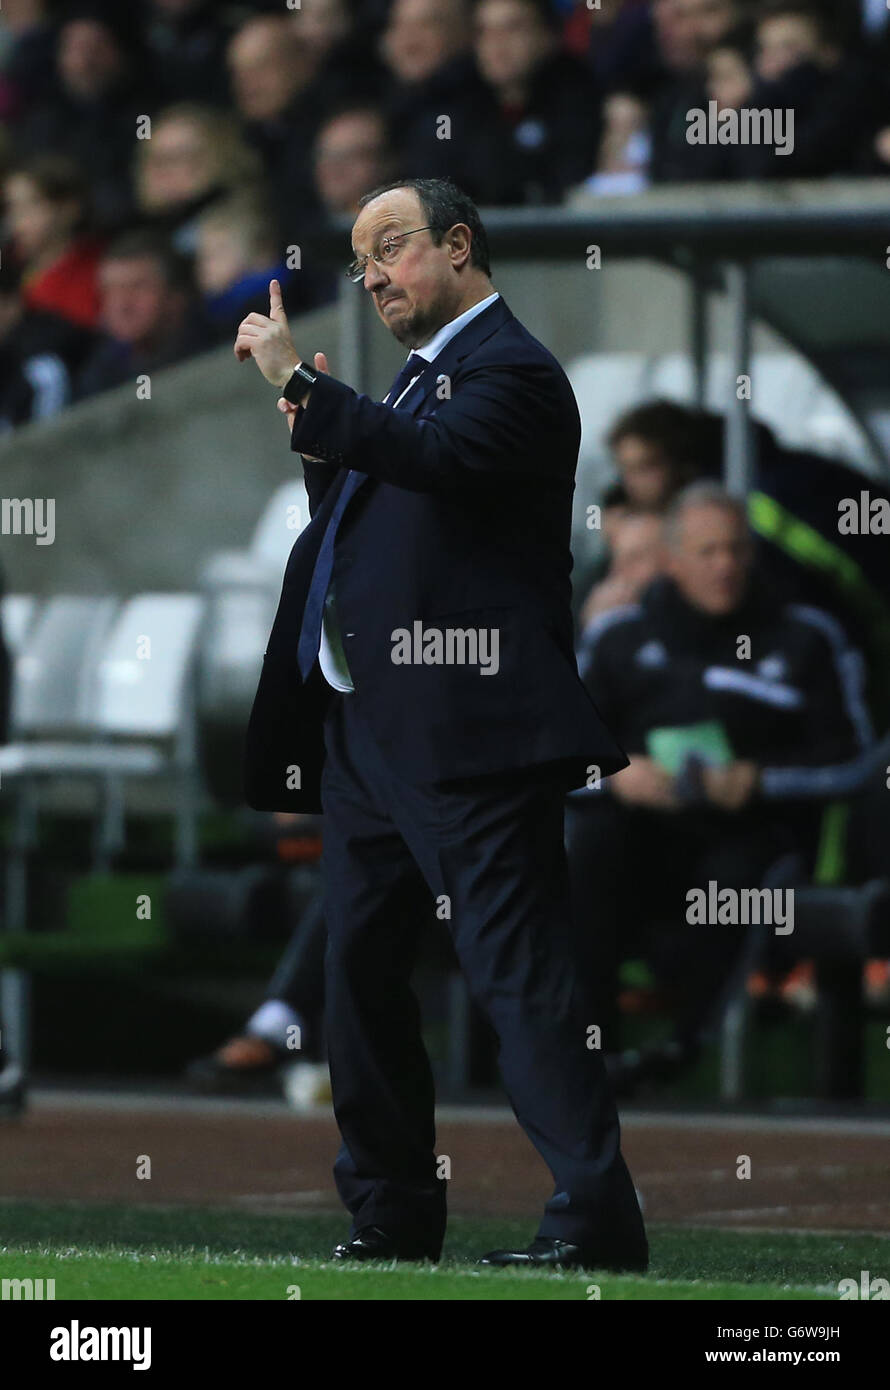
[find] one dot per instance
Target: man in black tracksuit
(762, 704)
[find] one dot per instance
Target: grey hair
(705, 492)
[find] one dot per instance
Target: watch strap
(301, 379)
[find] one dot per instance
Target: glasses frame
(356, 270)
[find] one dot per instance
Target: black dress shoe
(370, 1243)
(547, 1253)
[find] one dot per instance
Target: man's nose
(375, 276)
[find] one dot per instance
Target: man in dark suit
(420, 688)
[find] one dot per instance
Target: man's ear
(461, 243)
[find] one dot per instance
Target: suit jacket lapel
(444, 364)
(455, 350)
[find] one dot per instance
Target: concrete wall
(146, 490)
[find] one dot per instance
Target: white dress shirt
(331, 656)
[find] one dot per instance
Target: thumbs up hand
(268, 340)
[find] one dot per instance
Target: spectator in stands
(352, 155)
(614, 508)
(793, 507)
(547, 102)
(421, 41)
(877, 153)
(347, 68)
(625, 150)
(646, 47)
(91, 111)
(322, 25)
(441, 115)
(195, 157)
(801, 67)
(39, 352)
(730, 69)
(238, 253)
(27, 57)
(186, 42)
(272, 80)
(698, 26)
(727, 55)
(49, 218)
(791, 33)
(636, 557)
(736, 712)
(149, 313)
(659, 447)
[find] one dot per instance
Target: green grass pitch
(97, 1252)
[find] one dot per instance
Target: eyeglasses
(389, 249)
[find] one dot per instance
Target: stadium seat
(55, 669)
(285, 516)
(241, 590)
(105, 701)
(17, 613)
(605, 384)
(671, 377)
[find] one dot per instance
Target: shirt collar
(430, 351)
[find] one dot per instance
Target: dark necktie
(310, 631)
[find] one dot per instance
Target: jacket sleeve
(318, 478)
(501, 422)
(839, 734)
(597, 669)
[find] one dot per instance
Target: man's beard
(417, 328)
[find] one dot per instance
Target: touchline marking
(56, 1100)
(764, 1171)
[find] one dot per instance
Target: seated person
(53, 240)
(801, 68)
(237, 254)
(736, 711)
(730, 69)
(545, 101)
(195, 159)
(39, 351)
(794, 507)
(636, 557)
(622, 163)
(149, 313)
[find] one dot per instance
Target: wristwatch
(298, 384)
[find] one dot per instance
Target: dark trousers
(491, 851)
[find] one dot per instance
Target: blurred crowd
(160, 161)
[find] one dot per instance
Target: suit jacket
(461, 525)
